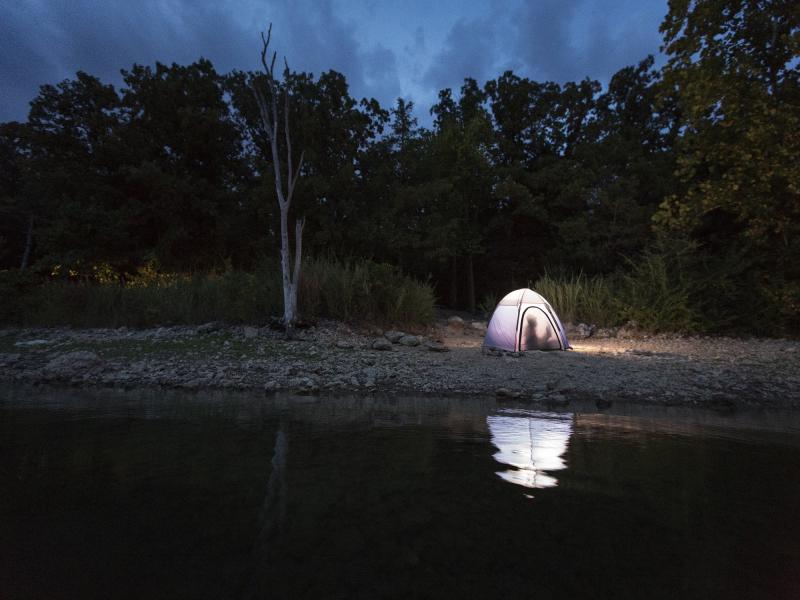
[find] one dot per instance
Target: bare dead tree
(267, 97)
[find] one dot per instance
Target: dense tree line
(514, 177)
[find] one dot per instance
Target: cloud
(469, 51)
(421, 49)
(47, 41)
(568, 41)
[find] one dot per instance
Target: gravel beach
(332, 358)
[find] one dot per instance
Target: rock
(584, 331)
(370, 374)
(605, 332)
(304, 385)
(502, 392)
(437, 347)
(250, 332)
(478, 326)
(408, 340)
(208, 328)
(344, 345)
(270, 387)
(394, 336)
(455, 323)
(629, 330)
(74, 361)
(9, 359)
(30, 343)
(381, 344)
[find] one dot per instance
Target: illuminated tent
(523, 320)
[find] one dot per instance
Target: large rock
(208, 328)
(408, 340)
(581, 330)
(31, 343)
(304, 385)
(370, 375)
(79, 360)
(381, 344)
(393, 336)
(455, 323)
(478, 326)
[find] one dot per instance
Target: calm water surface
(111, 494)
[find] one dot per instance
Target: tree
(733, 65)
(182, 165)
(733, 68)
(266, 91)
(72, 188)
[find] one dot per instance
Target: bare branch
(268, 69)
(294, 176)
(286, 131)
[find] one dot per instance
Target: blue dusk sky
(385, 48)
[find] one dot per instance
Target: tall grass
(362, 291)
(578, 298)
(657, 292)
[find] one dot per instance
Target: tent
(524, 320)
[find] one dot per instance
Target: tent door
(538, 331)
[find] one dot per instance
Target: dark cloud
(568, 41)
(50, 41)
(469, 51)
(429, 48)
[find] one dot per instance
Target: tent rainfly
(524, 320)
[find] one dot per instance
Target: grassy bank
(360, 290)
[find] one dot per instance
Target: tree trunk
(26, 255)
(288, 304)
(454, 282)
(470, 284)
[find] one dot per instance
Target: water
(164, 495)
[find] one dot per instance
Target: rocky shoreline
(332, 358)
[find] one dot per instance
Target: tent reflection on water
(532, 443)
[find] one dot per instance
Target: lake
(162, 494)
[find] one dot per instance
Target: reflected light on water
(531, 443)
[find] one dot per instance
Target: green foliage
(363, 291)
(657, 291)
(359, 291)
(732, 71)
(580, 299)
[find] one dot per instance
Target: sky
(385, 48)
